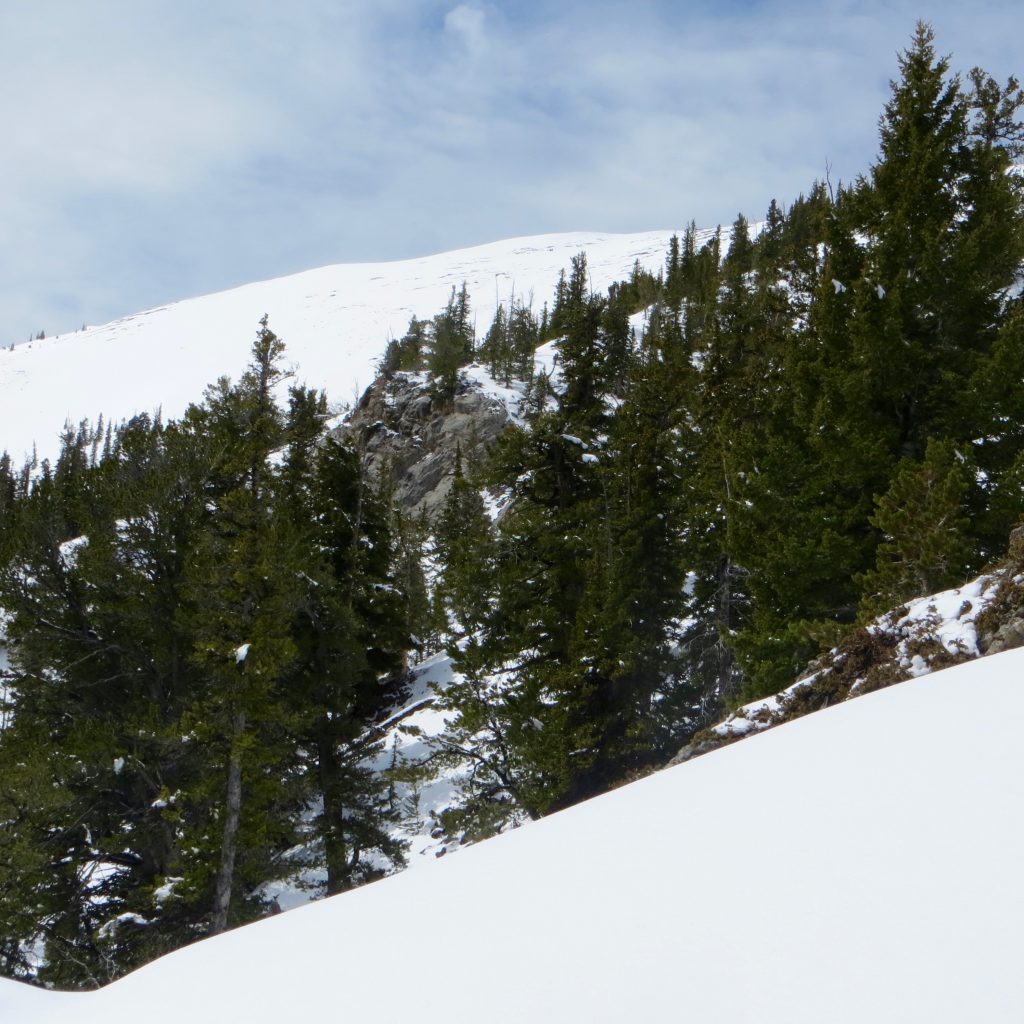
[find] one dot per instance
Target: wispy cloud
(467, 24)
(156, 151)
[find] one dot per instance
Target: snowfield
(335, 322)
(859, 864)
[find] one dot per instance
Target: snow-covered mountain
(335, 322)
(859, 864)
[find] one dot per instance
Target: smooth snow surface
(860, 864)
(335, 323)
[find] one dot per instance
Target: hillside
(258, 653)
(335, 321)
(860, 864)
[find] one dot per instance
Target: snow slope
(335, 322)
(862, 863)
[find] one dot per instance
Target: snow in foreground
(859, 864)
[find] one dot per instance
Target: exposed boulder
(1001, 625)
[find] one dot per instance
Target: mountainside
(860, 864)
(258, 653)
(335, 322)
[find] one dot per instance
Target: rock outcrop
(412, 438)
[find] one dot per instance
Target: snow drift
(862, 863)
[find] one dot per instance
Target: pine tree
(425, 629)
(234, 588)
(924, 212)
(630, 698)
(904, 319)
(351, 633)
(99, 617)
(577, 318)
(495, 351)
(241, 594)
(408, 353)
(465, 551)
(452, 345)
(922, 518)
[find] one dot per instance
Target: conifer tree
(241, 593)
(495, 350)
(464, 547)
(411, 533)
(407, 353)
(350, 631)
(904, 321)
(233, 589)
(921, 517)
(452, 344)
(121, 660)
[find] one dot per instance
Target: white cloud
(467, 23)
(157, 151)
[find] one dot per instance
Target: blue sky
(163, 149)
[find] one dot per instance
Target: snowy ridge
(837, 882)
(335, 322)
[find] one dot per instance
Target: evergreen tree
(577, 319)
(241, 592)
(100, 669)
(351, 633)
(408, 353)
(425, 629)
(452, 345)
(190, 675)
(888, 352)
(922, 518)
(464, 547)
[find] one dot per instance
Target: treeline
(821, 419)
(205, 619)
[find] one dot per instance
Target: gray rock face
(408, 436)
(1008, 637)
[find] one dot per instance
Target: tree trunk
(226, 872)
(724, 621)
(336, 854)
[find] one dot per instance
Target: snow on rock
(122, 919)
(885, 887)
(406, 433)
(927, 633)
(948, 616)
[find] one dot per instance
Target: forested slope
(715, 470)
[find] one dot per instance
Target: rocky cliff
(412, 439)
